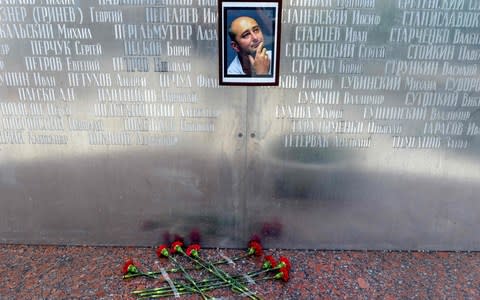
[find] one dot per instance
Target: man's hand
(261, 63)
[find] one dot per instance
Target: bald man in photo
(252, 58)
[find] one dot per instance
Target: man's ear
(235, 46)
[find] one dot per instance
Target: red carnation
(255, 248)
(162, 251)
(283, 274)
(269, 262)
(129, 267)
(192, 250)
(175, 246)
(284, 263)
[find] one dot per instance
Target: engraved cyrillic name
(352, 142)
(317, 33)
(206, 33)
(204, 81)
(134, 110)
(450, 19)
(143, 48)
(105, 16)
(50, 139)
(327, 126)
(155, 140)
(59, 2)
(53, 123)
(431, 52)
(74, 33)
(175, 80)
(194, 112)
(177, 97)
(130, 81)
(310, 3)
(13, 14)
(43, 94)
(82, 65)
(305, 141)
(360, 17)
(161, 65)
(395, 113)
(307, 112)
(390, 83)
(188, 125)
(88, 49)
(443, 128)
(414, 84)
(362, 99)
(314, 16)
(350, 67)
(448, 115)
(459, 84)
(14, 79)
(146, 124)
(168, 15)
(316, 83)
(465, 38)
(319, 97)
(472, 128)
(50, 47)
(85, 125)
(126, 95)
(470, 101)
(411, 67)
(86, 79)
(468, 54)
(432, 99)
(417, 35)
(56, 14)
(375, 127)
(416, 142)
(371, 52)
(431, 4)
(453, 69)
(11, 137)
(355, 4)
(320, 50)
(27, 31)
(110, 138)
(43, 63)
(131, 64)
(313, 66)
(162, 32)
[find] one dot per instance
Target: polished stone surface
(57, 272)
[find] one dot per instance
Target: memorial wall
(115, 129)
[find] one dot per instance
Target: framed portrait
(249, 41)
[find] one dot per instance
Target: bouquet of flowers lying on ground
(188, 260)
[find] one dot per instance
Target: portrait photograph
(249, 42)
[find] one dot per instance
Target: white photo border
(224, 6)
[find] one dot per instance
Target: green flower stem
(207, 282)
(223, 276)
(168, 293)
(224, 261)
(201, 284)
(188, 277)
(153, 274)
(181, 289)
(147, 274)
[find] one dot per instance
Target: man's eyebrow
(248, 30)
